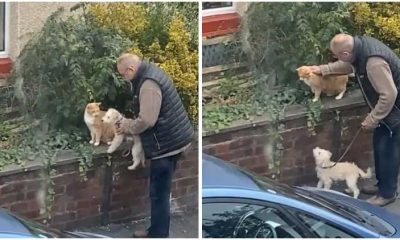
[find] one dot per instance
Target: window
(213, 5)
(240, 220)
(2, 26)
(323, 229)
(215, 8)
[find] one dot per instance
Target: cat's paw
(97, 143)
(339, 97)
(315, 100)
(91, 142)
(109, 143)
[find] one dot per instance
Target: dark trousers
(387, 159)
(161, 173)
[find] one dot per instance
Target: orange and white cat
(331, 84)
(99, 131)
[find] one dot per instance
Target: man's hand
(124, 126)
(368, 123)
(315, 69)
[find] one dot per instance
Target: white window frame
(6, 30)
(219, 11)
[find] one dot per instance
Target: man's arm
(337, 67)
(150, 104)
(381, 79)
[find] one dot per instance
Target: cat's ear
(297, 69)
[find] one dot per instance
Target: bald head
(128, 59)
(342, 46)
(127, 65)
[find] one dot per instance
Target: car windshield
(357, 215)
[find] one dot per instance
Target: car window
(323, 229)
(238, 220)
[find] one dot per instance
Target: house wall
(27, 18)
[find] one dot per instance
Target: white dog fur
(113, 116)
(343, 171)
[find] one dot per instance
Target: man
(165, 130)
(377, 69)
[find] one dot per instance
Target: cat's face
(93, 109)
(304, 73)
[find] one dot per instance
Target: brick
(87, 212)
(19, 207)
(83, 204)
(66, 178)
(217, 138)
(12, 187)
(179, 192)
(71, 206)
(59, 189)
(243, 142)
(222, 148)
(31, 214)
(11, 197)
(187, 182)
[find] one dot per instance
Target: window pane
(213, 5)
(227, 220)
(2, 26)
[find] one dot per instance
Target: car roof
(9, 224)
(218, 173)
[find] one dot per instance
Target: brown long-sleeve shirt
(150, 99)
(381, 79)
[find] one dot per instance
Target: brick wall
(246, 144)
(110, 194)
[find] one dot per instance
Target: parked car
(241, 204)
(12, 226)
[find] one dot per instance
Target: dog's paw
(132, 167)
(348, 190)
(91, 142)
(109, 143)
(315, 100)
(97, 143)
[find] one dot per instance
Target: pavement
(183, 225)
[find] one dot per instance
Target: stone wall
(112, 193)
(247, 144)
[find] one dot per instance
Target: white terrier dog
(344, 171)
(114, 117)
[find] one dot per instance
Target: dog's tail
(367, 174)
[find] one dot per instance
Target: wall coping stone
(65, 157)
(350, 100)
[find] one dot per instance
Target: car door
(246, 218)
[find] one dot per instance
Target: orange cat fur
(99, 131)
(331, 85)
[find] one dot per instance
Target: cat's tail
(367, 174)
